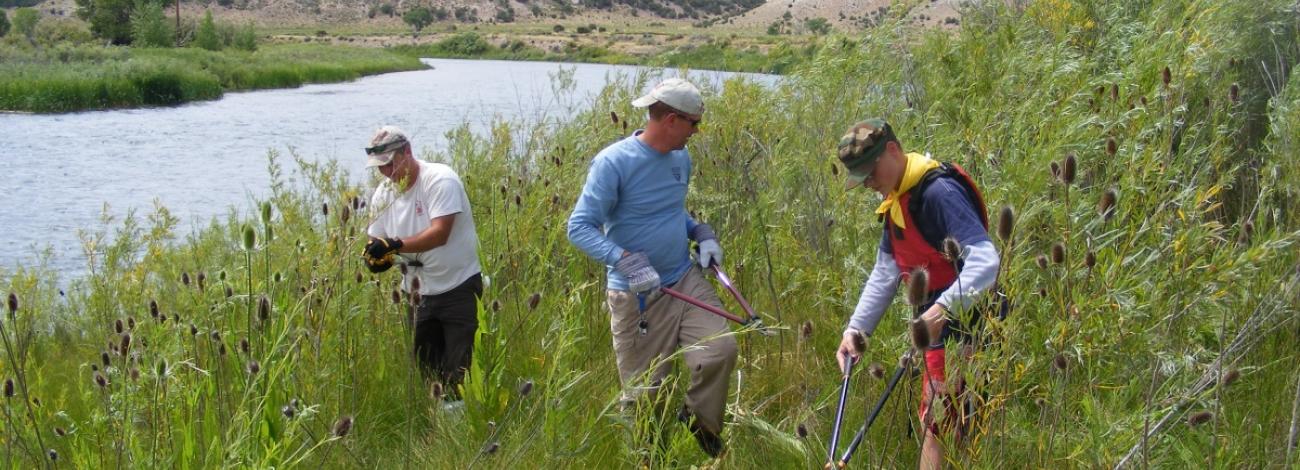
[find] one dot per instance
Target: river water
(60, 173)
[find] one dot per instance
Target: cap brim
(644, 101)
(379, 159)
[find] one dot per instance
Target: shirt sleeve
(597, 201)
(948, 209)
(876, 294)
(443, 197)
(978, 273)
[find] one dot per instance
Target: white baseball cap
(676, 93)
(386, 142)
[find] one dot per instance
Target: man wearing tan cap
(423, 216)
(925, 203)
(632, 217)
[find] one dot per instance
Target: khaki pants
(674, 324)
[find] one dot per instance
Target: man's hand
(378, 248)
(710, 253)
(852, 345)
(379, 265)
(641, 276)
(935, 318)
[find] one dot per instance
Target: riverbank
(65, 78)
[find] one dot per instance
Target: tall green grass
(72, 78)
(1192, 278)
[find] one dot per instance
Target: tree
(109, 19)
(149, 26)
(246, 38)
(418, 18)
(206, 37)
(818, 26)
(4, 23)
(25, 20)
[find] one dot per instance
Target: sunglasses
(694, 122)
(385, 148)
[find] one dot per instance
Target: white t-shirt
(437, 192)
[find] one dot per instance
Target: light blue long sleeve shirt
(635, 200)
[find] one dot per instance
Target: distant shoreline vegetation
(714, 55)
(66, 78)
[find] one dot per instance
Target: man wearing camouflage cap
(632, 217)
(925, 203)
(422, 215)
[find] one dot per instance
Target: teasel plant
(17, 362)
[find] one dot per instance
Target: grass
(72, 78)
(1192, 275)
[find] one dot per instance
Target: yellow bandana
(917, 166)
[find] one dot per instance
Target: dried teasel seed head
(1041, 260)
(185, 278)
(1234, 93)
(1069, 169)
(920, 334)
(534, 299)
(1246, 232)
(60, 432)
(1112, 146)
(9, 388)
(229, 292)
(125, 344)
(194, 330)
(243, 345)
(806, 330)
(134, 374)
(325, 209)
(254, 367)
(1199, 418)
(1166, 76)
(1058, 253)
(162, 368)
(1056, 170)
(1106, 205)
(397, 297)
(263, 309)
(118, 327)
(153, 308)
(100, 381)
(1006, 223)
(918, 287)
(1114, 92)
(801, 431)
(526, 388)
(613, 117)
(343, 426)
(13, 303)
(492, 447)
(288, 411)
(859, 342)
(951, 249)
(345, 215)
(1090, 259)
(105, 358)
(876, 370)
(130, 323)
(54, 455)
(496, 305)
(1060, 362)
(1230, 377)
(436, 391)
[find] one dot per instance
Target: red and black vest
(913, 249)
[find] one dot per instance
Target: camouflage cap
(861, 145)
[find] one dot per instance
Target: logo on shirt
(419, 208)
(677, 173)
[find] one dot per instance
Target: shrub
(207, 37)
(25, 20)
(149, 27)
(245, 38)
(4, 23)
(418, 18)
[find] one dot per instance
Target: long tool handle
(696, 302)
(726, 282)
(871, 418)
(839, 412)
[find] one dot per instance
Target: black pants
(444, 332)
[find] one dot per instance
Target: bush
(51, 31)
(207, 37)
(25, 20)
(418, 18)
(245, 38)
(818, 26)
(149, 26)
(559, 28)
(463, 44)
(4, 24)
(386, 9)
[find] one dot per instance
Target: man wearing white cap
(632, 217)
(422, 215)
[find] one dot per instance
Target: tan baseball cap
(676, 93)
(386, 142)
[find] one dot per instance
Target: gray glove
(702, 232)
(641, 276)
